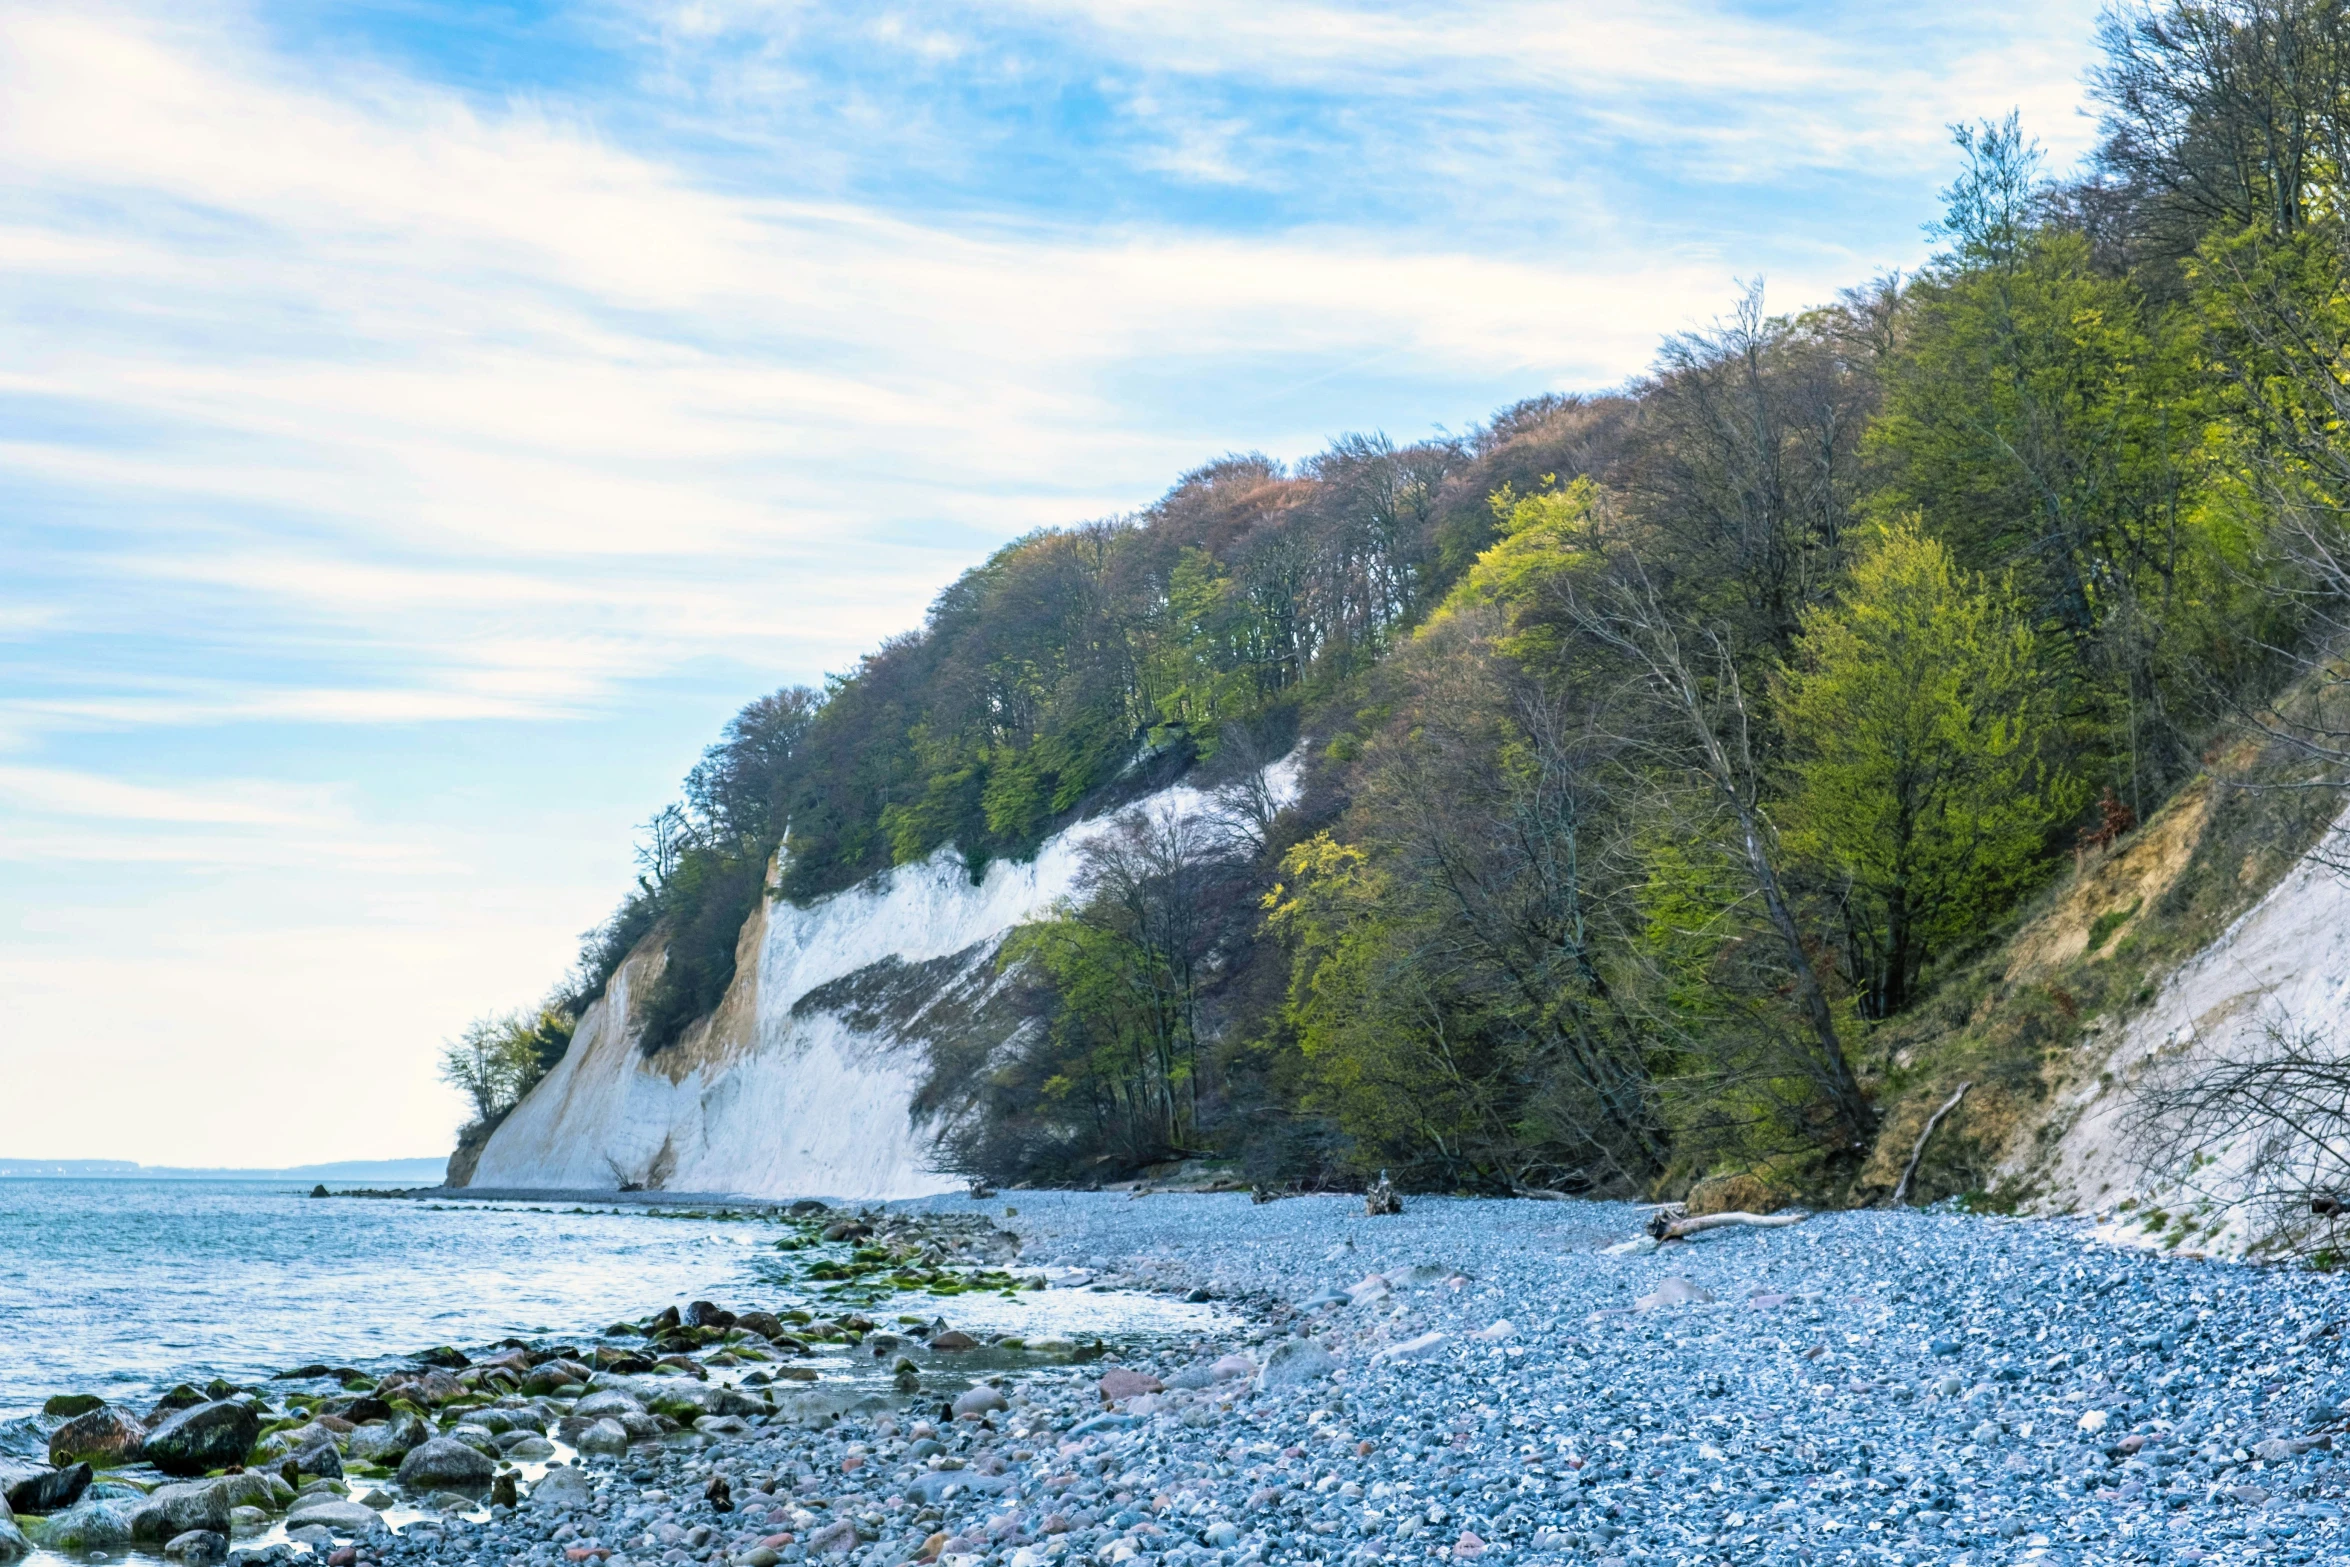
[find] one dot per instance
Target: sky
(423, 424)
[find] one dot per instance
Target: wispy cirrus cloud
(417, 431)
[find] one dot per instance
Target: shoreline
(1482, 1379)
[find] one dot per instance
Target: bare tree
(2258, 1133)
(2227, 113)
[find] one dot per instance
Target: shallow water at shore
(124, 1287)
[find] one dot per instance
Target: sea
(124, 1288)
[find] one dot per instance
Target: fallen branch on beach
(1669, 1229)
(1917, 1154)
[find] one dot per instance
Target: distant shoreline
(419, 1171)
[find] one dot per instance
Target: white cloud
(1721, 94)
(55, 815)
(346, 404)
(412, 363)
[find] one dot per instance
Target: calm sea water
(124, 1287)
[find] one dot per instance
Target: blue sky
(424, 423)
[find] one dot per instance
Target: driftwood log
(1917, 1154)
(1666, 1228)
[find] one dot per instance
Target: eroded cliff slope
(816, 1076)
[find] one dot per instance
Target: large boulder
(50, 1491)
(336, 1513)
(608, 1437)
(442, 1464)
(13, 1544)
(198, 1548)
(103, 1437)
(173, 1510)
(81, 1529)
(204, 1437)
(255, 1488)
(608, 1401)
(563, 1489)
(389, 1441)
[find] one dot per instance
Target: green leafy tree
(1919, 724)
(1128, 959)
(501, 1057)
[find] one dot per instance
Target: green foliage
(499, 1058)
(706, 899)
(2102, 928)
(1669, 746)
(1919, 727)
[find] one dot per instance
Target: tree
(1128, 958)
(1721, 907)
(737, 793)
(1450, 987)
(1918, 725)
(2226, 115)
(2042, 419)
(499, 1058)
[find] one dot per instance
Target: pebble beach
(1469, 1380)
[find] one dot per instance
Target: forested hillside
(1665, 748)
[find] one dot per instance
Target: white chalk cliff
(2281, 967)
(804, 1081)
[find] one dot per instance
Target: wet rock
(13, 1544)
(198, 1548)
(333, 1512)
(608, 1437)
(609, 1401)
(64, 1406)
(183, 1396)
(319, 1458)
(953, 1339)
(173, 1510)
(104, 1437)
(431, 1388)
(49, 1492)
(252, 1489)
(203, 1437)
(445, 1464)
(389, 1441)
(476, 1437)
(86, 1526)
(564, 1489)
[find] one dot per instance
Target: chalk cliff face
(2282, 968)
(805, 1080)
